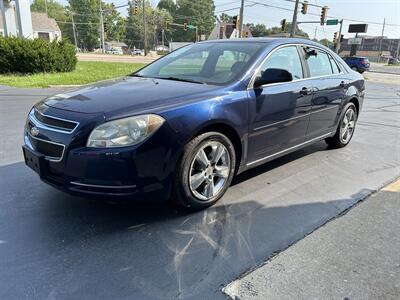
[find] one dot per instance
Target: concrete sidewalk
(356, 256)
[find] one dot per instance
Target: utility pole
(294, 20)
(74, 30)
(337, 46)
(144, 29)
(398, 48)
(45, 6)
(380, 44)
(315, 33)
(241, 19)
(102, 30)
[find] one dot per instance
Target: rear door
(329, 87)
(279, 112)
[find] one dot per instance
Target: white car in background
(137, 52)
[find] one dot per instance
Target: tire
(339, 140)
(354, 69)
(212, 180)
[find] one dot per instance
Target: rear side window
(335, 67)
(286, 58)
(319, 64)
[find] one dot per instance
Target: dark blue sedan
(183, 126)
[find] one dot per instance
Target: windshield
(210, 63)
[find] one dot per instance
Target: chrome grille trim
(49, 158)
(42, 125)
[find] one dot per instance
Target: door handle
(305, 91)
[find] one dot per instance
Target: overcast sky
(371, 11)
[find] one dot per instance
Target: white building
(43, 27)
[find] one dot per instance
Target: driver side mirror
(273, 76)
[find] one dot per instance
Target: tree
(115, 23)
(87, 18)
(226, 18)
(259, 30)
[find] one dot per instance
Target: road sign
(357, 28)
(332, 22)
(354, 41)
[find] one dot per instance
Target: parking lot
(55, 246)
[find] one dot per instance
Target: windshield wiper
(181, 79)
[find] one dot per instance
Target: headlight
(124, 132)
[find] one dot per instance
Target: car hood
(130, 95)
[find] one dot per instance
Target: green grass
(85, 72)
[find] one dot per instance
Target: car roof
(273, 41)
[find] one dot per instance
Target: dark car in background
(357, 63)
(183, 126)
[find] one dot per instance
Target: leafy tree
(115, 23)
(259, 30)
(168, 5)
(326, 42)
(88, 13)
(155, 19)
(226, 18)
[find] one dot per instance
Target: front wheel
(205, 171)
(346, 128)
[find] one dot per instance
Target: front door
(279, 112)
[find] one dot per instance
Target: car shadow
(72, 247)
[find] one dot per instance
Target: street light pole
(102, 30)
(294, 20)
(241, 19)
(74, 30)
(144, 29)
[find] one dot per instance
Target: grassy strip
(85, 72)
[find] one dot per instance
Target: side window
(319, 64)
(335, 67)
(286, 58)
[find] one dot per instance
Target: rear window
(319, 64)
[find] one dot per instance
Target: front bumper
(135, 171)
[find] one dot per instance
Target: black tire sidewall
(346, 108)
(183, 194)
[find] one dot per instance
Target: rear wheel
(205, 171)
(346, 128)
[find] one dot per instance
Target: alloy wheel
(348, 125)
(209, 170)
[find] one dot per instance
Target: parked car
(117, 51)
(181, 128)
(393, 61)
(357, 63)
(137, 52)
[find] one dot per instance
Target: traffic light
(235, 21)
(136, 6)
(324, 12)
(283, 24)
(246, 34)
(105, 27)
(185, 23)
(304, 7)
(335, 37)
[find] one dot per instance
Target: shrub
(19, 55)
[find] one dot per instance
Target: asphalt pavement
(355, 257)
(55, 246)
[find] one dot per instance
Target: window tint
(228, 64)
(286, 58)
(319, 64)
(335, 67)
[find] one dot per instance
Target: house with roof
(43, 27)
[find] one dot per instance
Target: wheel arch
(230, 132)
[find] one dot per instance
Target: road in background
(116, 58)
(56, 246)
(384, 68)
(353, 257)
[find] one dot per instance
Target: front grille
(51, 123)
(51, 150)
